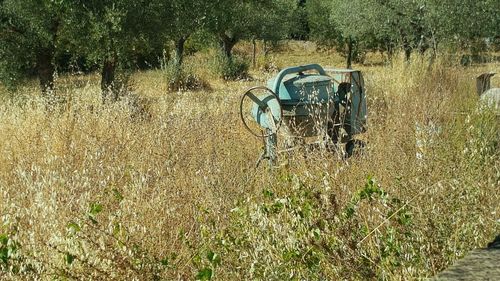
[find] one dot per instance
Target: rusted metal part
(310, 103)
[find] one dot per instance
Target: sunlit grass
(166, 187)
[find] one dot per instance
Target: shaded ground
(480, 264)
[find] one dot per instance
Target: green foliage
(483, 138)
(113, 26)
(73, 227)
(286, 226)
(469, 24)
(198, 41)
(29, 33)
(343, 25)
(291, 233)
(324, 29)
(299, 22)
(232, 21)
(183, 78)
(204, 274)
(69, 258)
(36, 32)
(370, 191)
(410, 25)
(4, 251)
(40, 37)
(8, 250)
(207, 272)
(271, 20)
(95, 208)
(233, 68)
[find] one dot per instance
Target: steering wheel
(266, 109)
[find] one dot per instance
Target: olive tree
(468, 25)
(182, 19)
(30, 31)
(343, 25)
(111, 32)
(232, 21)
(357, 25)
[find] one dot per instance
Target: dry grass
(165, 187)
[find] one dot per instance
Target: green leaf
(91, 218)
(291, 255)
(204, 274)
(213, 258)
(197, 259)
(277, 206)
(4, 239)
(317, 233)
(349, 212)
(73, 227)
(405, 219)
(116, 229)
(69, 258)
(117, 194)
(268, 193)
(4, 255)
(95, 209)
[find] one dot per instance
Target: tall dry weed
(94, 192)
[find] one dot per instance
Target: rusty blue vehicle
(306, 102)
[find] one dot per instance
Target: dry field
(164, 187)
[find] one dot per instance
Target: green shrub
(181, 78)
(233, 68)
(198, 41)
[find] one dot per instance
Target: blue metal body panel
(309, 97)
(293, 86)
(357, 97)
(260, 114)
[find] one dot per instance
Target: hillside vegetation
(163, 186)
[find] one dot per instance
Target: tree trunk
(45, 62)
(407, 54)
(406, 48)
(266, 49)
(227, 44)
(434, 50)
(350, 50)
(390, 53)
(108, 81)
(179, 51)
(45, 70)
(254, 53)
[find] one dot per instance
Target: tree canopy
(30, 31)
(411, 25)
(111, 35)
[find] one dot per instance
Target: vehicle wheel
(354, 147)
